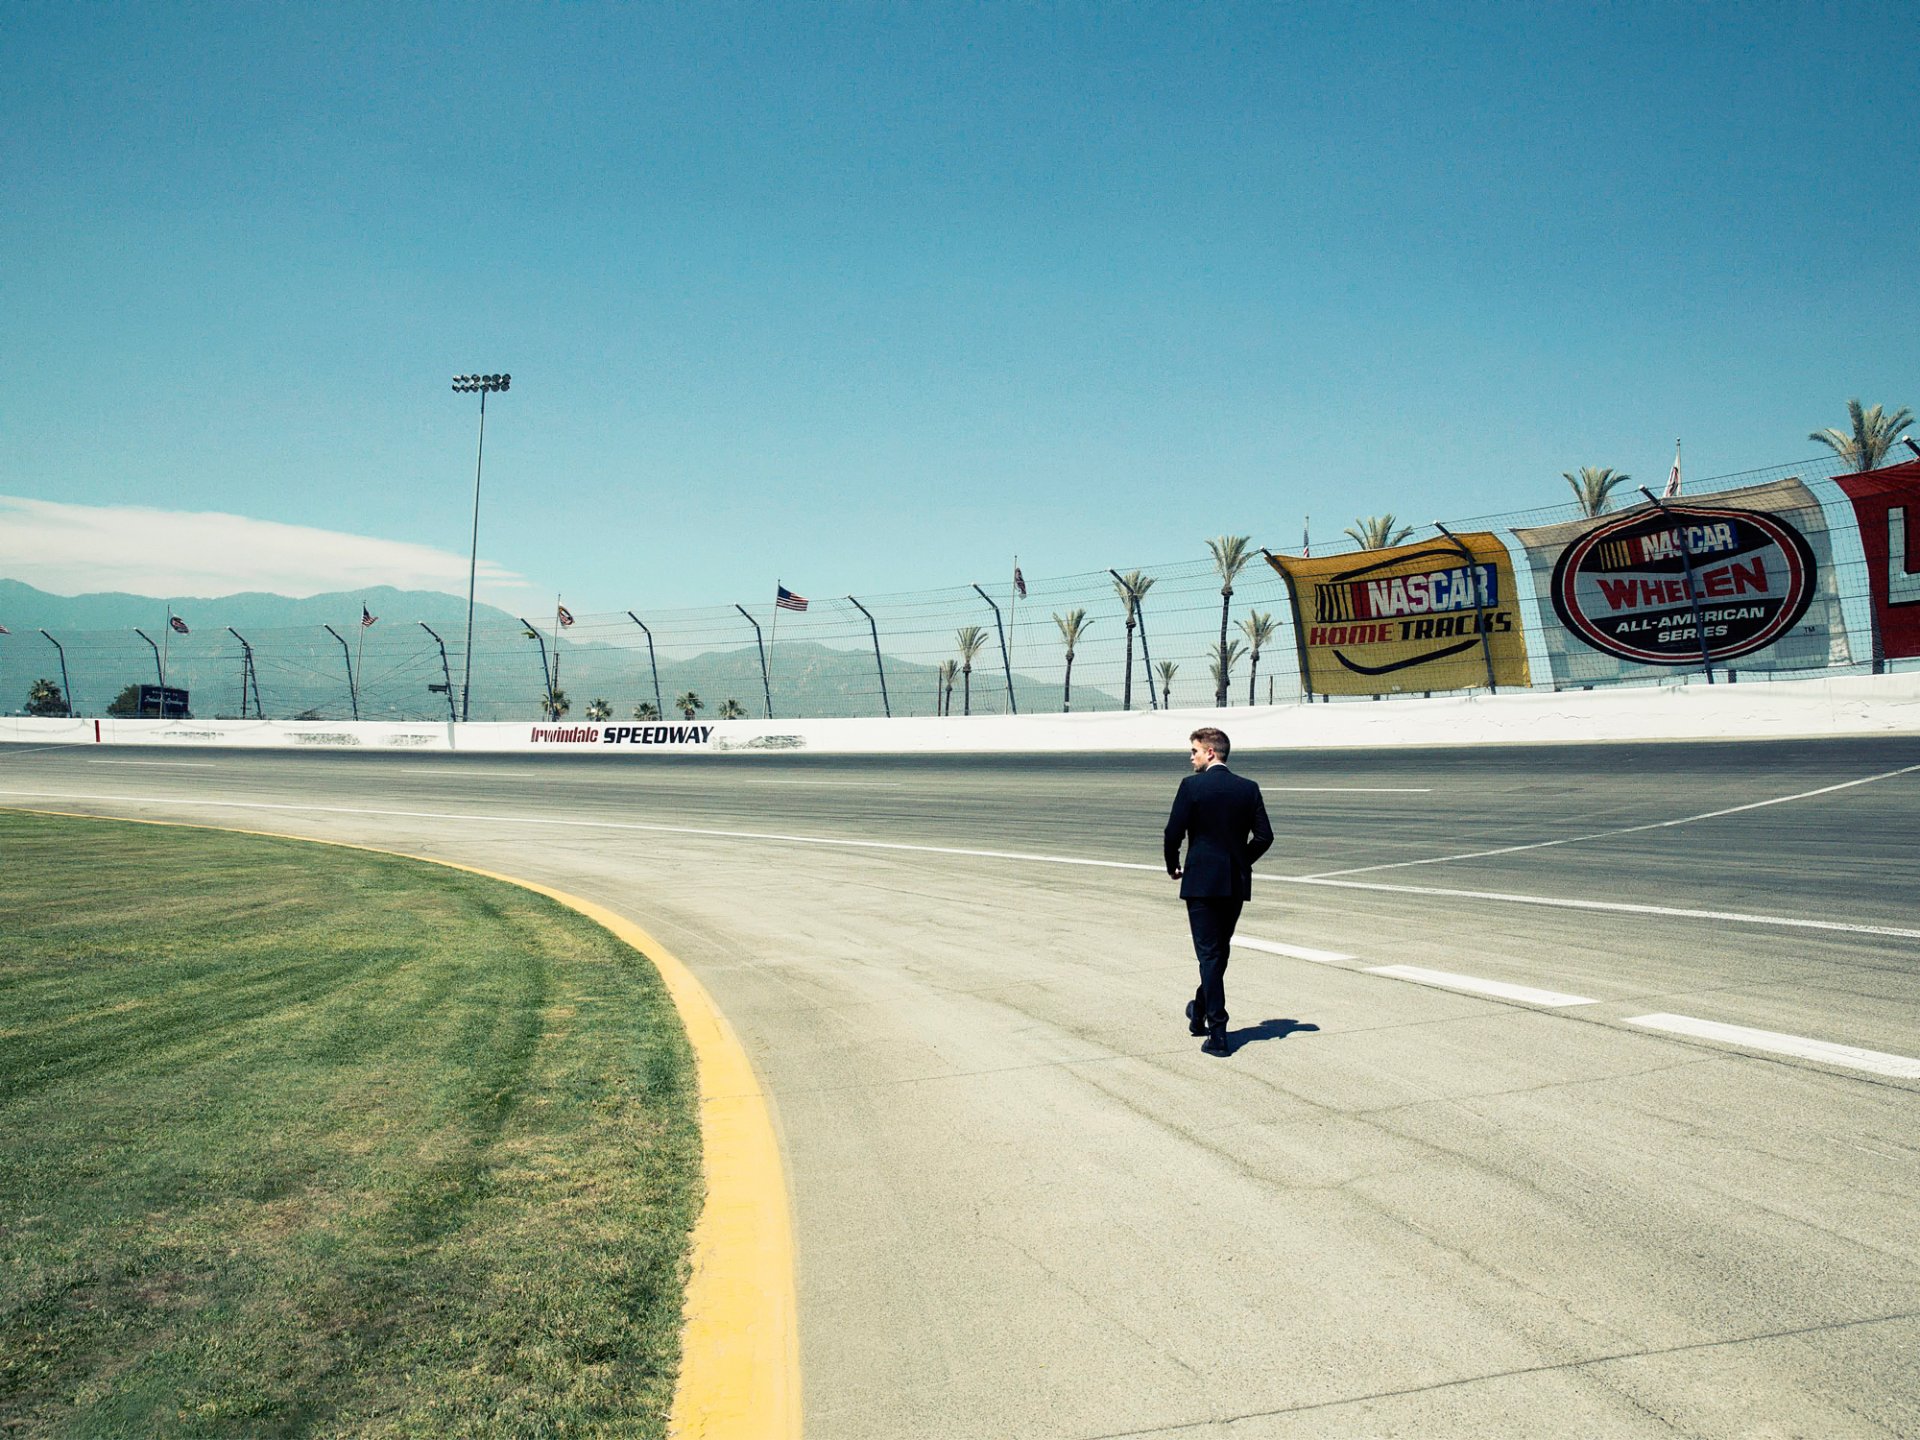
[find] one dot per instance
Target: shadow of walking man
(1268, 1030)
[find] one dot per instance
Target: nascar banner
(1763, 586)
(1887, 505)
(1413, 617)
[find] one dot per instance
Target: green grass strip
(297, 1140)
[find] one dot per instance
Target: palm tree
(1259, 628)
(598, 709)
(1072, 626)
(1132, 588)
(1225, 657)
(44, 698)
(558, 704)
(1593, 487)
(969, 639)
(1230, 557)
(731, 709)
(943, 686)
(1168, 669)
(1874, 434)
(688, 702)
(1377, 532)
(646, 710)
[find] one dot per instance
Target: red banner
(1887, 504)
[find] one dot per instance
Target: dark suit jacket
(1224, 822)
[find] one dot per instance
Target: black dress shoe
(1196, 1025)
(1217, 1044)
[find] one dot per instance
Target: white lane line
(1447, 980)
(1825, 1051)
(1297, 952)
(554, 822)
(1733, 917)
(170, 764)
(467, 774)
(1618, 907)
(1624, 830)
(1348, 789)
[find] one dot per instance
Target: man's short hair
(1214, 740)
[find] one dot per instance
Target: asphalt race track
(1028, 1206)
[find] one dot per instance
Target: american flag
(1673, 479)
(566, 615)
(366, 617)
(787, 600)
(178, 624)
(1019, 581)
(1306, 538)
(4, 630)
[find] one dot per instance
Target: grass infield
(297, 1140)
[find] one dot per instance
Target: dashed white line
(1447, 980)
(170, 764)
(1297, 952)
(1878, 1062)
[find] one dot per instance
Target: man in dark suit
(1224, 822)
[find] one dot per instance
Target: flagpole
(166, 637)
(772, 640)
(1013, 630)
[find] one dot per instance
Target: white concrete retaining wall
(1847, 705)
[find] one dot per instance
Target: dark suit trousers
(1212, 921)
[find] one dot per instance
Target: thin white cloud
(77, 549)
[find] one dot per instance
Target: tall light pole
(467, 384)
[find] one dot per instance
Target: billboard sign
(1623, 587)
(1410, 618)
(1762, 589)
(1887, 504)
(163, 704)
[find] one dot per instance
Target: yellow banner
(1414, 617)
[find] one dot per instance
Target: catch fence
(823, 662)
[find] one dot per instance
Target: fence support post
(1479, 603)
(353, 689)
(246, 673)
(546, 675)
(1006, 664)
(766, 686)
(446, 674)
(658, 704)
(66, 690)
(885, 703)
(1693, 592)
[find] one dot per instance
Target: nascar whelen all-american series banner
(1410, 618)
(1763, 586)
(1887, 505)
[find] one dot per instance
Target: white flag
(1673, 480)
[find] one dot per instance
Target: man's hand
(1173, 874)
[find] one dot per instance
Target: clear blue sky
(873, 297)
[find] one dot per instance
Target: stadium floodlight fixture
(484, 385)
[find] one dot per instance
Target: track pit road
(1027, 1206)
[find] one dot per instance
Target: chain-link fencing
(960, 649)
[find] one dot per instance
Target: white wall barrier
(1844, 705)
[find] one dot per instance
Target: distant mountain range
(300, 670)
(23, 608)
